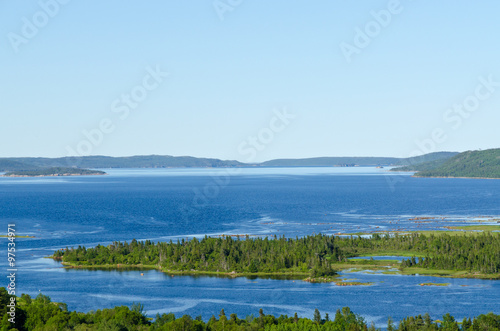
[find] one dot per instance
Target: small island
(54, 172)
(315, 259)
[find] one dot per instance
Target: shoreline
(354, 267)
(452, 177)
(416, 176)
(232, 274)
(53, 175)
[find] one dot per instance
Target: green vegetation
(353, 284)
(459, 233)
(465, 230)
(326, 279)
(472, 164)
(423, 161)
(359, 161)
(55, 171)
(475, 255)
(355, 265)
(42, 314)
(431, 165)
(479, 253)
(374, 262)
(476, 227)
(481, 323)
(434, 284)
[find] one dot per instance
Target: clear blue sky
(227, 77)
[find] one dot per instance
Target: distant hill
(472, 164)
(330, 162)
(437, 158)
(422, 166)
(10, 165)
(167, 161)
(148, 161)
(358, 161)
(55, 171)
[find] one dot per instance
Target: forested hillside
(473, 164)
(483, 164)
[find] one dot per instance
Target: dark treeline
(316, 254)
(54, 171)
(488, 322)
(468, 164)
(474, 253)
(478, 253)
(42, 314)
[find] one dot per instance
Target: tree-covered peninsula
(54, 171)
(473, 255)
(471, 164)
(308, 255)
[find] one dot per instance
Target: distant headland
(470, 164)
(54, 172)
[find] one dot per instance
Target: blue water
(164, 204)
